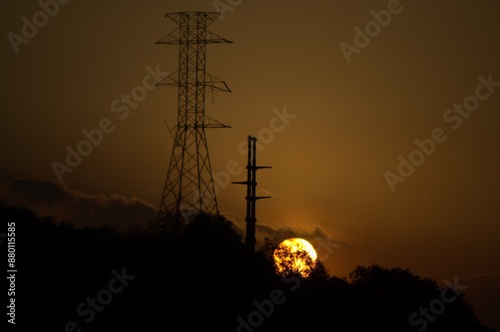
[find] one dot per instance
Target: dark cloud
(49, 198)
(321, 241)
(324, 244)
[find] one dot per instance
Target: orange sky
(352, 120)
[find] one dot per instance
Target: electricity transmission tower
(189, 187)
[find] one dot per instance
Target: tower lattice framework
(189, 188)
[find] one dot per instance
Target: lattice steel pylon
(189, 188)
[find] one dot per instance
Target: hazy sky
(349, 119)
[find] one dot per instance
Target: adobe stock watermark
(427, 146)
(324, 247)
(222, 179)
(88, 310)
(265, 308)
(420, 319)
(222, 6)
(372, 29)
(94, 137)
(29, 29)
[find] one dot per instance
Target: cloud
(47, 198)
(324, 244)
(321, 241)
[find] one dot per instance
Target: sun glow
(295, 255)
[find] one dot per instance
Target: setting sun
(295, 255)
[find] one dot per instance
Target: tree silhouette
(205, 278)
(290, 262)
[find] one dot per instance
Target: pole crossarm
(251, 196)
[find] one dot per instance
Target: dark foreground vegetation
(204, 280)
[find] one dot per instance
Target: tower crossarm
(189, 188)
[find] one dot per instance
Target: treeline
(203, 279)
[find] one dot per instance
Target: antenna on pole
(251, 197)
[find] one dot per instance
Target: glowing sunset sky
(348, 123)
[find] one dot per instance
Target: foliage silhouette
(201, 279)
(288, 262)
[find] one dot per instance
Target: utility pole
(251, 197)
